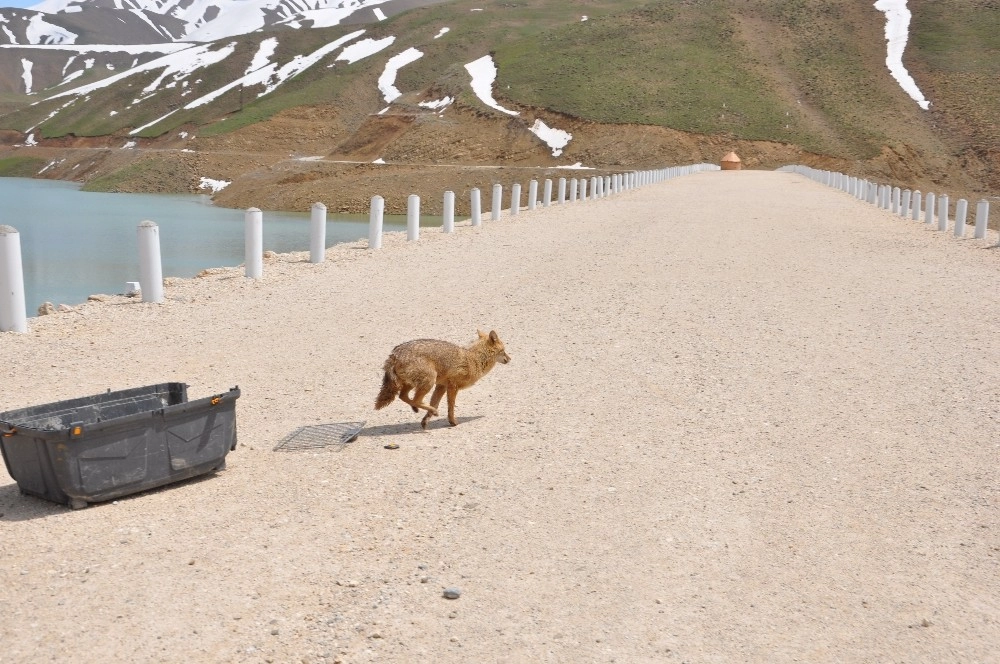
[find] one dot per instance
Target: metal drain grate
(320, 435)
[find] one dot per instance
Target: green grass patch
(20, 167)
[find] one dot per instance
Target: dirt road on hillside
(747, 419)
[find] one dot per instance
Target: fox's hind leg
(435, 400)
(421, 390)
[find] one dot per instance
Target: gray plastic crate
(100, 447)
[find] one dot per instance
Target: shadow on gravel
(410, 427)
(15, 506)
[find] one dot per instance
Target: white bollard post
(412, 218)
(929, 209)
(561, 197)
(375, 217)
(943, 212)
(497, 201)
(547, 195)
(317, 233)
(13, 314)
(583, 189)
(904, 204)
(961, 212)
(515, 198)
(982, 218)
(150, 265)
(253, 245)
(916, 206)
(448, 212)
(532, 194)
(475, 207)
(896, 194)
(572, 190)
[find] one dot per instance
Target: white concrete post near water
(413, 218)
(375, 217)
(943, 212)
(961, 212)
(497, 201)
(904, 205)
(317, 233)
(476, 207)
(253, 245)
(982, 218)
(561, 196)
(916, 206)
(515, 198)
(929, 209)
(150, 266)
(448, 212)
(532, 194)
(547, 194)
(13, 315)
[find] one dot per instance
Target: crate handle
(7, 433)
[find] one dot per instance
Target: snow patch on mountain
(215, 186)
(105, 48)
(364, 48)
(181, 63)
(38, 31)
(484, 73)
(556, 139)
(897, 33)
(26, 66)
(185, 63)
(72, 77)
(263, 55)
(386, 82)
(263, 72)
(437, 104)
(333, 14)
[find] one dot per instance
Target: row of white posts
(904, 202)
(573, 190)
(13, 314)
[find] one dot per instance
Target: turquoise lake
(75, 243)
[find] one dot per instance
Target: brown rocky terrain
(312, 153)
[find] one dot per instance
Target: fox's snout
(503, 358)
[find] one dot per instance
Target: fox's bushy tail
(390, 388)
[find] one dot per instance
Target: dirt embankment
(311, 154)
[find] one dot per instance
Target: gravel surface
(747, 419)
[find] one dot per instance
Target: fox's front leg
(435, 400)
(452, 393)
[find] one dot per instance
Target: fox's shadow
(410, 427)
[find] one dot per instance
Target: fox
(425, 364)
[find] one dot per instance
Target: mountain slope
(805, 74)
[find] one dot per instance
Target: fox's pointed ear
(482, 335)
(493, 336)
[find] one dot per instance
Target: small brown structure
(731, 162)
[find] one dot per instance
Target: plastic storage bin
(100, 447)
